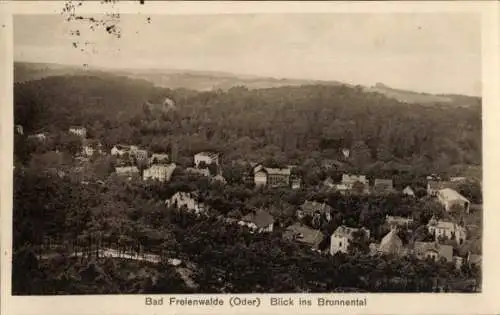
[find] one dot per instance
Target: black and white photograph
(246, 153)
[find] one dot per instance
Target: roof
(408, 190)
(446, 251)
(451, 194)
(313, 206)
(436, 185)
(277, 171)
(211, 155)
(344, 231)
(391, 243)
(383, 183)
(353, 178)
(398, 220)
(304, 234)
(260, 218)
(443, 225)
(126, 169)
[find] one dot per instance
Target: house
(158, 158)
(296, 183)
(127, 171)
(79, 131)
(313, 208)
(19, 129)
(432, 250)
(159, 172)
(452, 200)
(408, 191)
(258, 220)
(349, 180)
(90, 147)
(343, 235)
(447, 230)
(120, 150)
(395, 221)
(391, 244)
(273, 177)
(198, 171)
(139, 154)
(188, 200)
(304, 235)
(354, 183)
(433, 187)
(383, 186)
(38, 136)
(206, 158)
(459, 179)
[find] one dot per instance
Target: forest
(292, 125)
(62, 213)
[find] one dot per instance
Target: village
(450, 233)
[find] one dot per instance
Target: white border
(484, 303)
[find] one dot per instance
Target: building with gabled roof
(451, 200)
(162, 173)
(259, 220)
(273, 177)
(383, 186)
(343, 235)
(408, 191)
(305, 235)
(312, 207)
(433, 186)
(186, 200)
(391, 244)
(207, 158)
(447, 230)
(433, 250)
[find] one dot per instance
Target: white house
(274, 177)
(198, 171)
(206, 157)
(451, 200)
(188, 200)
(341, 238)
(348, 182)
(79, 131)
(120, 150)
(448, 230)
(408, 191)
(163, 173)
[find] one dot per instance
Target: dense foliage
(288, 124)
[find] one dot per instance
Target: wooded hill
(288, 124)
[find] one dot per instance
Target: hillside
(288, 124)
(411, 97)
(213, 80)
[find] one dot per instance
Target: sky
(424, 52)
